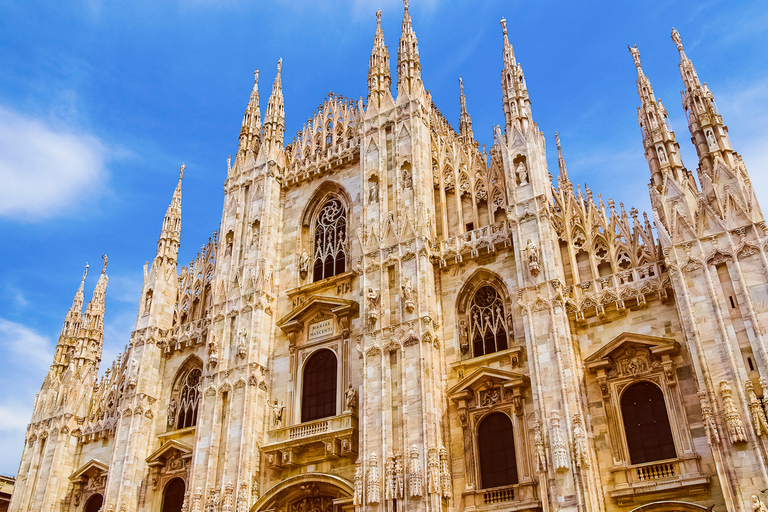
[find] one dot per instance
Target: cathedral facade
(393, 318)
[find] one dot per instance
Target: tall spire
(517, 106)
(379, 75)
(465, 122)
(708, 132)
(250, 133)
(661, 148)
(274, 118)
(170, 236)
(563, 177)
(408, 63)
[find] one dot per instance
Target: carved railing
(498, 494)
(338, 435)
(309, 429)
(656, 477)
(633, 285)
(475, 243)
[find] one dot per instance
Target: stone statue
(407, 288)
(711, 138)
(662, 155)
(463, 337)
(304, 264)
(277, 413)
(357, 500)
(399, 477)
(522, 173)
(171, 412)
(446, 480)
(433, 472)
(407, 180)
(757, 505)
(538, 442)
(350, 397)
(415, 478)
(373, 298)
(532, 254)
(759, 420)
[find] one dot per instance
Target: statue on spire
(106, 259)
(181, 171)
(635, 56)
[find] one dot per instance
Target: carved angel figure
(373, 298)
(277, 413)
(407, 287)
(757, 505)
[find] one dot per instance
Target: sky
(101, 101)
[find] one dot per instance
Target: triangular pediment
(93, 467)
(172, 448)
(486, 377)
(618, 345)
(294, 320)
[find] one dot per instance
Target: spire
(250, 133)
(93, 321)
(408, 64)
(465, 122)
(563, 177)
(708, 132)
(379, 77)
(170, 236)
(274, 118)
(77, 303)
(517, 106)
(661, 148)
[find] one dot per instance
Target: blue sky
(101, 101)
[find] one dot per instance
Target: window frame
(344, 245)
(189, 366)
(620, 407)
(307, 358)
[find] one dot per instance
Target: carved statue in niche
(132, 372)
(277, 413)
(711, 138)
(463, 337)
(532, 254)
(303, 264)
(242, 343)
(522, 173)
(407, 288)
(407, 179)
(662, 155)
(350, 397)
(373, 192)
(148, 301)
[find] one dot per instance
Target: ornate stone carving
(399, 477)
(532, 255)
(732, 418)
(227, 502)
(581, 446)
(303, 264)
(433, 472)
(407, 288)
(463, 337)
(759, 421)
(357, 499)
(538, 443)
(277, 413)
(415, 476)
(445, 473)
(350, 397)
(374, 482)
(757, 505)
(389, 479)
(559, 449)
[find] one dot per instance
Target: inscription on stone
(320, 329)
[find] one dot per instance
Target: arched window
(94, 503)
(173, 495)
(646, 424)
(318, 399)
(330, 241)
(182, 410)
(488, 325)
(496, 450)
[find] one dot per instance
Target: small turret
(250, 133)
(379, 75)
(517, 105)
(408, 63)
(170, 236)
(274, 118)
(465, 121)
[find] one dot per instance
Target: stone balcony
(518, 497)
(312, 441)
(669, 476)
(473, 244)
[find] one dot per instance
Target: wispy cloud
(46, 171)
(29, 349)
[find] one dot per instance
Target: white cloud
(27, 348)
(45, 171)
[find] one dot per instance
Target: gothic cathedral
(392, 318)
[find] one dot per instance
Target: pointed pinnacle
(181, 171)
(677, 40)
(378, 20)
(85, 274)
(636, 57)
(106, 259)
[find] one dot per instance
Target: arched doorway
(94, 503)
(670, 506)
(173, 495)
(310, 491)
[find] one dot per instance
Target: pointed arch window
(488, 324)
(330, 253)
(496, 451)
(182, 409)
(646, 424)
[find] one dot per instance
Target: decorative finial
(378, 18)
(504, 25)
(677, 40)
(85, 274)
(256, 77)
(181, 171)
(635, 55)
(405, 5)
(557, 140)
(279, 65)
(104, 269)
